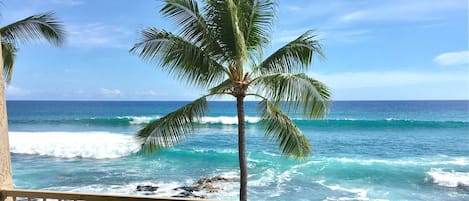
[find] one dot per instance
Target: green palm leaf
(223, 88)
(295, 56)
(172, 128)
(187, 17)
(192, 24)
(281, 129)
(180, 57)
(36, 27)
(9, 54)
(256, 20)
(297, 91)
(222, 19)
(42, 26)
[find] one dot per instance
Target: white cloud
(16, 91)
(403, 10)
(328, 35)
(99, 35)
(338, 12)
(452, 58)
(356, 15)
(110, 92)
(357, 80)
(343, 21)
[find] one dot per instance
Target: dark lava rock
(187, 188)
(206, 183)
(218, 178)
(202, 184)
(147, 188)
(187, 194)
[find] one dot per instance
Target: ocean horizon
(363, 150)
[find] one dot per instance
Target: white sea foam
(165, 189)
(461, 161)
(270, 154)
(449, 179)
(227, 191)
(356, 194)
(228, 120)
(96, 145)
(233, 175)
(227, 151)
(135, 120)
(280, 179)
(288, 174)
(266, 178)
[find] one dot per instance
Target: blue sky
(376, 50)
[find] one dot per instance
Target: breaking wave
(450, 179)
(95, 145)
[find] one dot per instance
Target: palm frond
(294, 57)
(187, 17)
(42, 26)
(224, 87)
(9, 54)
(281, 129)
(256, 19)
(296, 91)
(172, 128)
(223, 21)
(192, 24)
(181, 58)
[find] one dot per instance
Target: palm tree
(36, 27)
(219, 47)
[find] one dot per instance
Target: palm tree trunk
(242, 149)
(6, 180)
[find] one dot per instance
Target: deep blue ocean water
(363, 150)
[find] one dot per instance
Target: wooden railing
(32, 195)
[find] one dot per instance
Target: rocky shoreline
(207, 185)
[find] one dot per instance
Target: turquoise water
(363, 150)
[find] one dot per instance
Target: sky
(376, 50)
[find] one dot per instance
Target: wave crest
(135, 120)
(226, 120)
(449, 179)
(95, 145)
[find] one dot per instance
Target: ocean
(363, 150)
